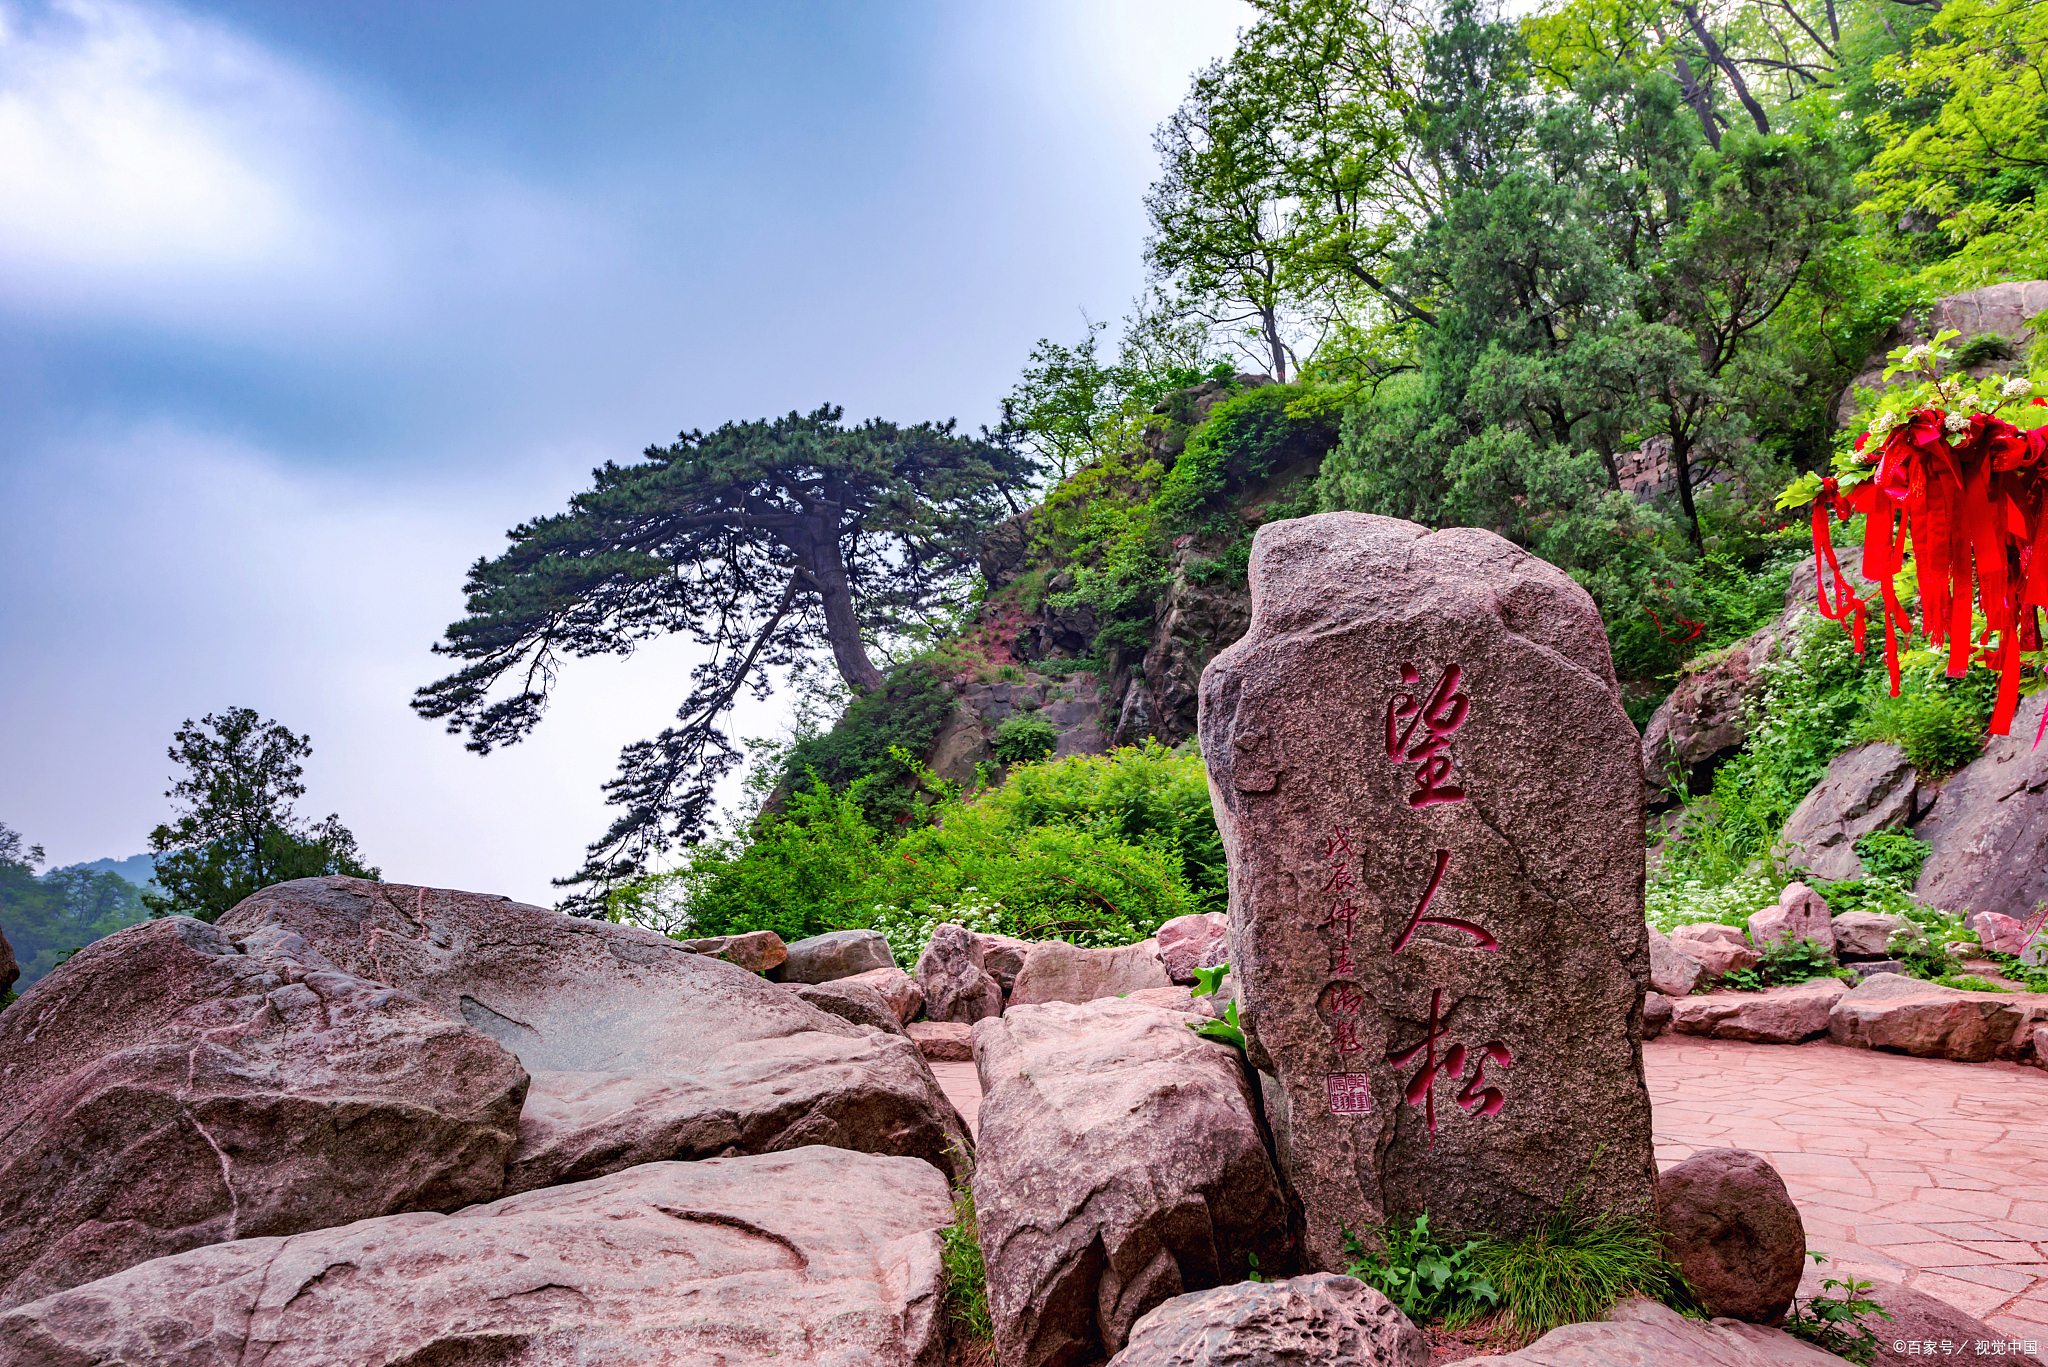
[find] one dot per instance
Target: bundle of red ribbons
(1972, 500)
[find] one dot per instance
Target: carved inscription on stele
(1431, 802)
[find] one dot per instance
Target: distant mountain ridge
(139, 869)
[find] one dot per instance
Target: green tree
(236, 830)
(760, 540)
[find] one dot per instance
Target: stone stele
(1440, 955)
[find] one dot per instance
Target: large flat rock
(1989, 828)
(1790, 1014)
(813, 1256)
(714, 1052)
(1058, 972)
(1320, 1320)
(1430, 797)
(1908, 1016)
(177, 1084)
(1120, 1165)
(1644, 1334)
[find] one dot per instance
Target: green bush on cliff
(1094, 850)
(906, 712)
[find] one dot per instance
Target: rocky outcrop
(9, 970)
(1642, 1333)
(1120, 1165)
(955, 985)
(1927, 1020)
(943, 1041)
(1867, 935)
(1989, 831)
(1918, 1318)
(1417, 923)
(1731, 1227)
(896, 987)
(757, 951)
(1672, 971)
(1187, 943)
(1058, 972)
(1791, 1014)
(1002, 958)
(1005, 551)
(1320, 1320)
(1657, 1012)
(2000, 310)
(1997, 933)
(1799, 915)
(834, 955)
(817, 1256)
(854, 1002)
(1718, 949)
(176, 1084)
(640, 1050)
(1868, 788)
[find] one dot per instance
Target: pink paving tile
(2006, 1278)
(1986, 1203)
(1967, 1296)
(1933, 1254)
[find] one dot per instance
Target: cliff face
(1033, 650)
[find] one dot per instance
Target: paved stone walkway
(1915, 1170)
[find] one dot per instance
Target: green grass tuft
(966, 1277)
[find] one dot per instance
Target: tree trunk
(1269, 318)
(1702, 104)
(1720, 59)
(1681, 466)
(826, 569)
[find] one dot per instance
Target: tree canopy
(47, 917)
(236, 831)
(761, 541)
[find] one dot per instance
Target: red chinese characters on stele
(1419, 731)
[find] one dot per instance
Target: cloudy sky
(302, 304)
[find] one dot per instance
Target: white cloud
(159, 166)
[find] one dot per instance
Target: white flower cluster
(1956, 422)
(2017, 388)
(1917, 357)
(1883, 423)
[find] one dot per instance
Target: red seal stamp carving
(1350, 1094)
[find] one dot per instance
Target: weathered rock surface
(1059, 972)
(9, 970)
(1119, 1166)
(1870, 968)
(1867, 934)
(1731, 1227)
(671, 1054)
(2002, 310)
(818, 1255)
(757, 951)
(896, 987)
(1990, 828)
(1927, 1020)
(1998, 933)
(834, 955)
(1719, 949)
(1420, 1061)
(1868, 788)
(1800, 914)
(1643, 1333)
(1319, 1320)
(854, 1002)
(1919, 1318)
(1657, 1012)
(1187, 943)
(177, 1085)
(1002, 958)
(956, 987)
(943, 1041)
(1791, 1014)
(1672, 971)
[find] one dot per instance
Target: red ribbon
(1976, 510)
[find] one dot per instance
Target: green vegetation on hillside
(1095, 850)
(46, 918)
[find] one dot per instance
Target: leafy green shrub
(1246, 438)
(1894, 855)
(1938, 721)
(1025, 740)
(905, 712)
(1970, 982)
(1835, 1324)
(1793, 961)
(1573, 1268)
(1422, 1275)
(966, 1278)
(1137, 794)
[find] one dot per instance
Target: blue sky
(303, 304)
